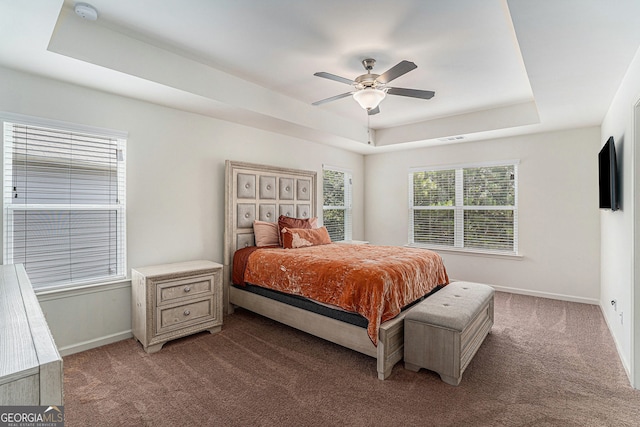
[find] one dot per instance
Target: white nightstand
(174, 300)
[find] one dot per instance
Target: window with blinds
(336, 211)
(467, 208)
(64, 203)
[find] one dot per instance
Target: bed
(260, 192)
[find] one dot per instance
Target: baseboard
(97, 342)
(625, 364)
(562, 297)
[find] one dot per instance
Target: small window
(336, 211)
(63, 202)
(471, 208)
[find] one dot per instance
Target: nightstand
(174, 300)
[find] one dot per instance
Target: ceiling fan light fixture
(369, 98)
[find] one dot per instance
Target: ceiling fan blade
(396, 71)
(413, 93)
(334, 77)
(333, 98)
(374, 111)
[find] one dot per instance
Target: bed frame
(264, 193)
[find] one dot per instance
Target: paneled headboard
(260, 192)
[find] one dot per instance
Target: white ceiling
(498, 67)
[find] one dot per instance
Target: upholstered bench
(443, 332)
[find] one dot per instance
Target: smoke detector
(86, 11)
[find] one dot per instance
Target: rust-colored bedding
(374, 281)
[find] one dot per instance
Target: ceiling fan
(371, 89)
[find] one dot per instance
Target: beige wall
(620, 252)
(175, 187)
(558, 215)
(175, 197)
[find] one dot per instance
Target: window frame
(119, 207)
(459, 209)
(348, 199)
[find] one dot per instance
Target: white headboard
(260, 192)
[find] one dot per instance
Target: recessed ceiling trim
(480, 121)
(142, 60)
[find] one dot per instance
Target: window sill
(352, 242)
(47, 294)
(517, 257)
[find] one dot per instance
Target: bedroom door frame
(635, 270)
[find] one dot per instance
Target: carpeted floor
(546, 363)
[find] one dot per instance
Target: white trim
(548, 295)
(467, 251)
(67, 291)
(627, 367)
(96, 342)
(634, 357)
(337, 168)
(464, 166)
(59, 124)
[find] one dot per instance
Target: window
(336, 212)
(63, 202)
(470, 208)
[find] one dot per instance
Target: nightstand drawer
(176, 290)
(184, 315)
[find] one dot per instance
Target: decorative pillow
(266, 233)
(289, 222)
(293, 238)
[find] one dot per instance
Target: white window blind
(336, 190)
(467, 208)
(64, 204)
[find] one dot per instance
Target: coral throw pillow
(289, 222)
(293, 238)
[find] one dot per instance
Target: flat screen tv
(608, 174)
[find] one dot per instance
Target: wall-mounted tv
(608, 174)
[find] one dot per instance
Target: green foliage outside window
(334, 211)
(480, 227)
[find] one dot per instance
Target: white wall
(619, 269)
(558, 215)
(175, 188)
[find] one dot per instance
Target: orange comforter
(374, 281)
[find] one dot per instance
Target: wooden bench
(443, 332)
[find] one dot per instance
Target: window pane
(334, 221)
(336, 191)
(489, 186)
(434, 188)
(489, 229)
(64, 204)
(58, 246)
(434, 226)
(57, 184)
(333, 188)
(483, 214)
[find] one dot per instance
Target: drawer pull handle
(187, 289)
(187, 312)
